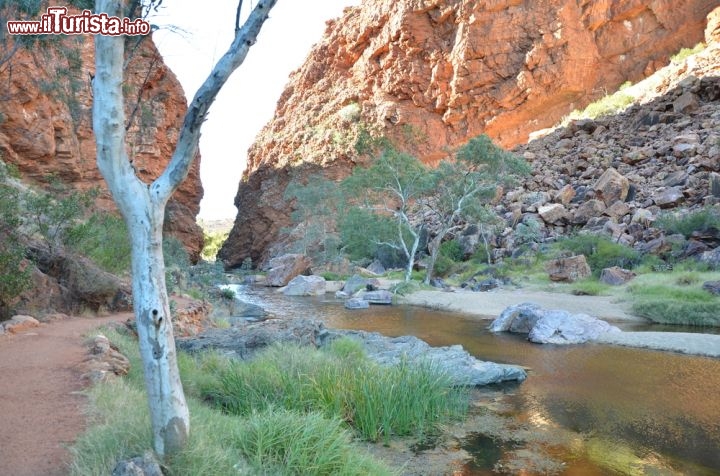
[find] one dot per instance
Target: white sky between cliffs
(248, 100)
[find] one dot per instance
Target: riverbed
(614, 410)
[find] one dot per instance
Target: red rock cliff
(432, 74)
(46, 122)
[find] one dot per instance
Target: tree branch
(187, 146)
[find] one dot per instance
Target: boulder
(18, 324)
(104, 361)
(714, 184)
(246, 338)
(568, 269)
(686, 103)
(555, 326)
(590, 209)
(612, 186)
(381, 296)
(552, 213)
(565, 194)
(146, 465)
(286, 267)
(713, 287)
(305, 286)
(356, 303)
(616, 276)
(711, 258)
(376, 267)
(354, 284)
(668, 198)
(456, 362)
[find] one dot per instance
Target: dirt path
(41, 409)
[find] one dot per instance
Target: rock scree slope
(430, 75)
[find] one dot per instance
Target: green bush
(378, 401)
(104, 239)
(600, 252)
(686, 222)
(453, 250)
(14, 276)
(212, 242)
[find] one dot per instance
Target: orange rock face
(46, 122)
(431, 75)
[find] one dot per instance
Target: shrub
(686, 222)
(600, 251)
(212, 242)
(14, 276)
(104, 239)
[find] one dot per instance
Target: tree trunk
(168, 410)
(434, 246)
(411, 257)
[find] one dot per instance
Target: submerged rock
(356, 303)
(550, 326)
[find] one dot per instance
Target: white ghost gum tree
(143, 207)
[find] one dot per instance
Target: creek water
(622, 410)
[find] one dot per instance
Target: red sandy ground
(41, 404)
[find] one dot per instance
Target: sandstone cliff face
(432, 74)
(46, 123)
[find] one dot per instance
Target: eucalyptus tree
(393, 187)
(464, 187)
(143, 208)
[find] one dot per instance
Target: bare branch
(187, 146)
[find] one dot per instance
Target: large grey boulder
(463, 368)
(305, 286)
(616, 276)
(354, 284)
(550, 326)
(285, 267)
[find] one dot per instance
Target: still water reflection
(653, 412)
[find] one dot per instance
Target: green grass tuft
(675, 298)
(378, 401)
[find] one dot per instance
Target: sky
(191, 39)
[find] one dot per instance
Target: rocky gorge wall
(432, 74)
(46, 122)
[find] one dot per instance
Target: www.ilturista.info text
(57, 22)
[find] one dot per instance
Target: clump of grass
(675, 298)
(687, 52)
(589, 287)
(607, 105)
(378, 401)
(269, 441)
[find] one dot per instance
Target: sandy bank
(489, 305)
